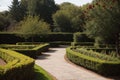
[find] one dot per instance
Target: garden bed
(18, 66)
(100, 63)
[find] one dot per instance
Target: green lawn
(41, 74)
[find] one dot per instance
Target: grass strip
(41, 74)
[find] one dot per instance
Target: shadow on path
(44, 55)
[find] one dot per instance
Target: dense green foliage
(69, 18)
(82, 44)
(4, 21)
(51, 44)
(94, 61)
(22, 64)
(10, 38)
(29, 50)
(81, 37)
(32, 25)
(17, 10)
(89, 52)
(42, 8)
(103, 20)
(16, 64)
(49, 37)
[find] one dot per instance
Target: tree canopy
(17, 10)
(33, 25)
(69, 18)
(103, 19)
(4, 21)
(42, 8)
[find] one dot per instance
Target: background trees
(69, 18)
(4, 21)
(17, 10)
(99, 19)
(42, 8)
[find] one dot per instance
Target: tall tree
(69, 18)
(42, 8)
(103, 22)
(18, 10)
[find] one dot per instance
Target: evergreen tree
(18, 10)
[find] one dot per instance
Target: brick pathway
(54, 62)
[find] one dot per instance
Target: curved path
(54, 62)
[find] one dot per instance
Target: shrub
(91, 53)
(57, 43)
(90, 61)
(82, 44)
(18, 67)
(50, 37)
(81, 37)
(9, 38)
(33, 25)
(29, 50)
(12, 38)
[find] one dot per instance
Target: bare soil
(2, 62)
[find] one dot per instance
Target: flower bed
(100, 63)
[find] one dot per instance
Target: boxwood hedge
(29, 50)
(52, 44)
(105, 67)
(18, 67)
(12, 38)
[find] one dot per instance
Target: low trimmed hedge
(29, 43)
(105, 67)
(52, 44)
(18, 67)
(43, 46)
(29, 50)
(57, 43)
(82, 43)
(107, 50)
